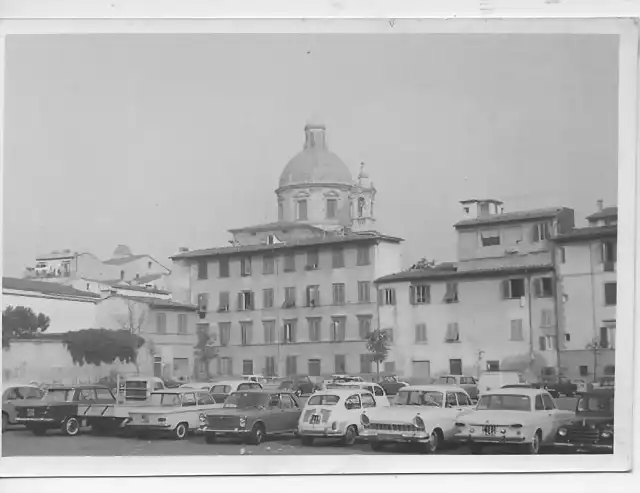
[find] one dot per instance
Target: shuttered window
(516, 330)
(421, 332)
(453, 334)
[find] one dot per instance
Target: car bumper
(489, 440)
(26, 421)
(138, 427)
(585, 447)
(236, 432)
(320, 432)
(400, 437)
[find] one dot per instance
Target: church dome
(315, 164)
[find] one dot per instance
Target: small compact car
(526, 418)
(173, 412)
(252, 415)
(592, 428)
(378, 392)
(14, 393)
(424, 415)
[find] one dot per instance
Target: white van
(494, 380)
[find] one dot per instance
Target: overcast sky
(159, 142)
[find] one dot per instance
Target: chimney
(314, 136)
(600, 204)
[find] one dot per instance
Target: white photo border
(626, 391)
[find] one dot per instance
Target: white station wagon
(334, 413)
(421, 414)
(174, 412)
(527, 418)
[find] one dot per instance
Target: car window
(286, 402)
(466, 381)
(352, 402)
(188, 399)
(323, 400)
(548, 402)
(451, 400)
(220, 389)
(246, 386)
(463, 399)
(274, 401)
(539, 403)
(12, 394)
(368, 400)
(87, 395)
(205, 399)
(378, 391)
(104, 395)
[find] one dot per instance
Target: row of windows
(542, 287)
(246, 300)
(270, 264)
(161, 324)
(314, 367)
(607, 252)
(513, 235)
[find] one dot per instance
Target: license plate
(489, 430)
(31, 412)
(315, 419)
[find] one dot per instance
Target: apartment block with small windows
(492, 309)
(587, 262)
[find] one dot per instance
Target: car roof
(606, 391)
(142, 379)
(6, 386)
(178, 390)
(456, 376)
(517, 391)
(342, 391)
(231, 382)
(195, 385)
(435, 388)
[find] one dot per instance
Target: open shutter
(541, 341)
(534, 234)
(249, 333)
(412, 295)
(293, 332)
(251, 300)
(380, 296)
(601, 252)
(342, 329)
(504, 289)
(537, 287)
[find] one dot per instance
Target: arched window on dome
(302, 210)
(361, 206)
(332, 208)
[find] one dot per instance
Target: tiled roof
(156, 302)
(128, 287)
(442, 274)
(124, 260)
(588, 233)
(44, 287)
(231, 250)
(149, 278)
(604, 213)
(512, 216)
(278, 225)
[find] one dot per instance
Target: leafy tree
(134, 321)
(97, 346)
(594, 346)
(20, 322)
(205, 351)
(378, 345)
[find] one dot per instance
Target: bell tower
(362, 199)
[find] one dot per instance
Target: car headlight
(418, 422)
(202, 417)
(364, 419)
(243, 422)
(562, 432)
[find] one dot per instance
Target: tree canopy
(21, 322)
(97, 346)
(378, 346)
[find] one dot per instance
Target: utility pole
(480, 354)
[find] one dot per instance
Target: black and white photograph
(373, 249)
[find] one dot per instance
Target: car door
(220, 392)
(353, 405)
(541, 417)
(274, 414)
(553, 418)
(204, 402)
(190, 412)
(380, 397)
(290, 412)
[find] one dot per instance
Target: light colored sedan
(13, 393)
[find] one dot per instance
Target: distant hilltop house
(84, 271)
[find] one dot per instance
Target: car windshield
(419, 398)
(323, 400)
(244, 400)
(595, 404)
(220, 389)
(59, 395)
(505, 402)
(165, 400)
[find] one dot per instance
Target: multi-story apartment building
(586, 262)
(493, 309)
(295, 296)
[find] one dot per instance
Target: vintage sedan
(173, 412)
(252, 415)
(592, 427)
(526, 418)
(422, 414)
(334, 413)
(16, 393)
(69, 408)
(221, 390)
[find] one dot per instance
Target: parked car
(14, 393)
(206, 386)
(553, 392)
(469, 384)
(299, 386)
(422, 414)
(592, 428)
(221, 390)
(255, 378)
(378, 392)
(69, 408)
(334, 413)
(527, 418)
(562, 386)
(391, 384)
(605, 382)
(173, 412)
(493, 380)
(251, 415)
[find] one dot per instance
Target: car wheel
(434, 443)
(181, 431)
(476, 448)
(210, 438)
(5, 422)
(533, 448)
(71, 427)
(349, 436)
(307, 441)
(257, 434)
(377, 446)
